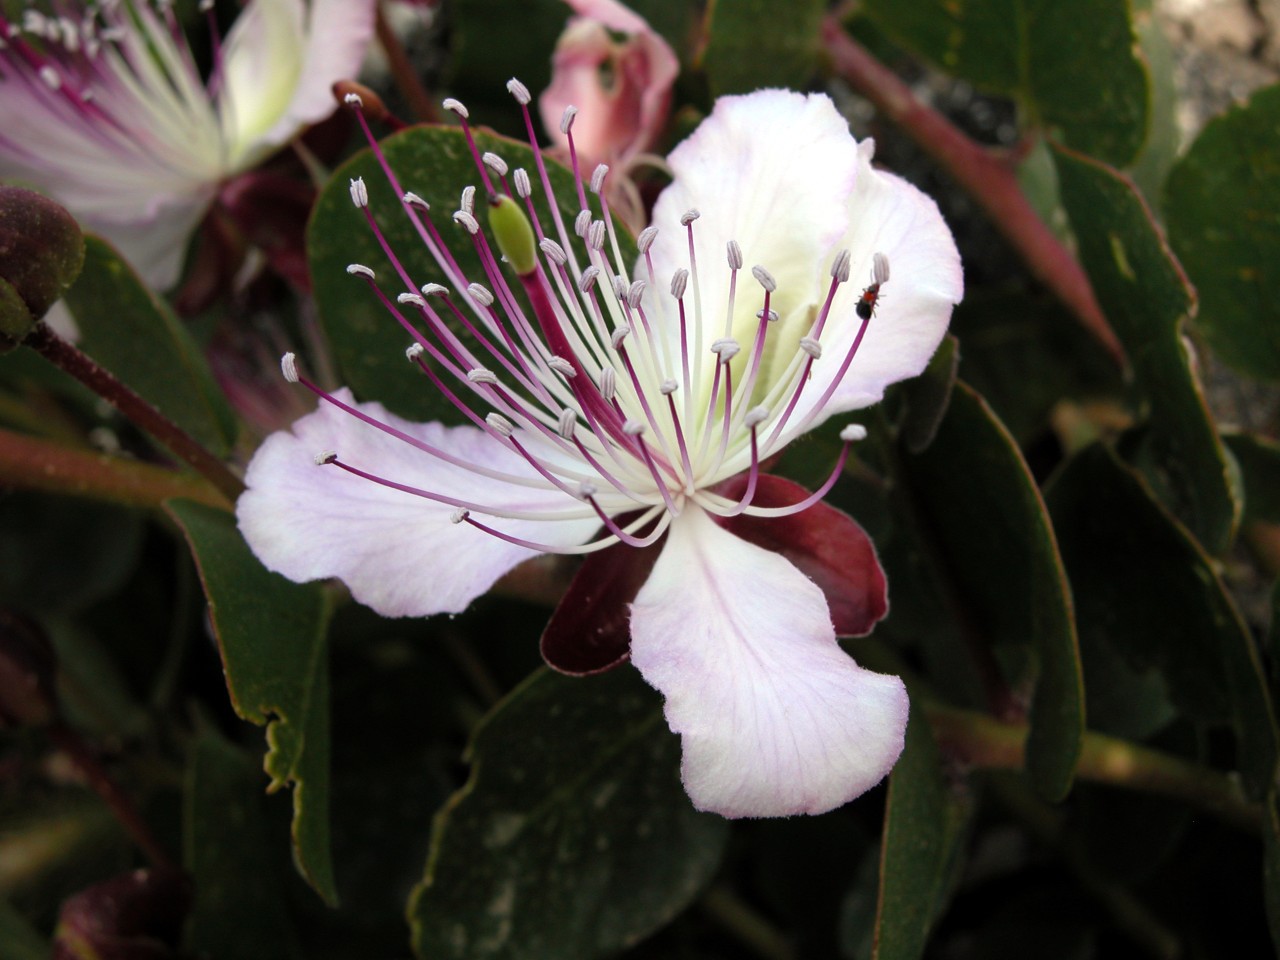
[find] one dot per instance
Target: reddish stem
(403, 73)
(70, 360)
(989, 180)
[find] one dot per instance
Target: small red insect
(879, 275)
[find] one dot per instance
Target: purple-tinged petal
(826, 544)
(774, 717)
(590, 631)
(399, 554)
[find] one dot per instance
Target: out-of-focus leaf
(1259, 461)
(1145, 591)
(1076, 64)
(573, 837)
(1146, 297)
(1223, 206)
(271, 634)
(1158, 153)
(238, 912)
(368, 343)
(133, 334)
(999, 547)
(18, 939)
(753, 44)
(928, 395)
(925, 823)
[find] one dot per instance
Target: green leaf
(925, 824)
(1089, 82)
(573, 837)
(1259, 461)
(994, 534)
(368, 343)
(238, 912)
(928, 395)
(1146, 593)
(1223, 206)
(752, 44)
(1145, 295)
(271, 634)
(133, 334)
(18, 939)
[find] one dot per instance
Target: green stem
(987, 178)
(82, 367)
(745, 925)
(988, 744)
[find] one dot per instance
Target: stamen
(359, 193)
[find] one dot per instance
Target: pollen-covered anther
(811, 346)
(668, 387)
(351, 99)
(51, 77)
(435, 290)
(495, 163)
(726, 348)
(634, 428)
(853, 433)
(588, 279)
(688, 217)
(734, 253)
(455, 107)
(359, 193)
(840, 266)
(460, 515)
(596, 235)
(289, 367)
(879, 268)
(481, 375)
(566, 119)
(619, 287)
(519, 91)
(414, 351)
(562, 366)
(480, 294)
(325, 458)
(414, 298)
(597, 177)
(413, 200)
(765, 278)
(360, 270)
(581, 223)
(679, 281)
(523, 187)
(500, 424)
(608, 383)
(635, 293)
(567, 423)
(646, 238)
(772, 318)
(756, 416)
(468, 222)
(554, 252)
(620, 334)
(467, 202)
(587, 490)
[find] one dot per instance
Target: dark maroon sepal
(826, 544)
(590, 631)
(271, 212)
(134, 916)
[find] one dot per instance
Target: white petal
(261, 63)
(399, 554)
(887, 215)
(771, 170)
(775, 718)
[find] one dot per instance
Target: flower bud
(41, 253)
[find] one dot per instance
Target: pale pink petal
(155, 245)
(771, 170)
(887, 215)
(398, 553)
(261, 63)
(619, 120)
(774, 717)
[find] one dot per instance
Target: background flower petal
(774, 717)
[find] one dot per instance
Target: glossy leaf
(271, 635)
(925, 823)
(368, 343)
(1146, 593)
(573, 837)
(135, 335)
(1146, 297)
(1089, 83)
(1223, 206)
(239, 913)
(752, 44)
(999, 546)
